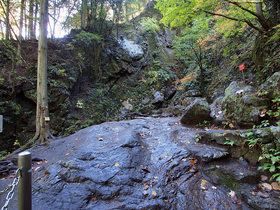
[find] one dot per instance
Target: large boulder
(216, 111)
(197, 112)
(242, 104)
(217, 94)
(272, 85)
(170, 111)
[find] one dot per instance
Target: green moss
(227, 181)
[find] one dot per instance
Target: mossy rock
(242, 105)
(197, 112)
(273, 85)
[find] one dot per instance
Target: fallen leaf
(67, 153)
(267, 186)
(154, 193)
(153, 141)
(192, 162)
(233, 197)
(224, 134)
(184, 159)
(98, 165)
(231, 125)
(203, 184)
(77, 138)
(166, 155)
(241, 173)
(155, 177)
(160, 158)
(146, 188)
(116, 164)
(227, 205)
(188, 142)
(275, 186)
(213, 187)
(94, 199)
(202, 146)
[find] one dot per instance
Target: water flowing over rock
(145, 163)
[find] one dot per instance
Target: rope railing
(23, 180)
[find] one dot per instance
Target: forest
(210, 68)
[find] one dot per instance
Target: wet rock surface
(145, 163)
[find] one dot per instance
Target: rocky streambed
(145, 163)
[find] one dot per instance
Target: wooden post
(25, 184)
(1, 123)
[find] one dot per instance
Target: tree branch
(238, 5)
(235, 19)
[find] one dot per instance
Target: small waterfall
(133, 49)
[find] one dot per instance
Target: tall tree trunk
(35, 19)
(7, 19)
(83, 14)
(20, 27)
(42, 113)
(261, 18)
(31, 31)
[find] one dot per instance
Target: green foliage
(17, 144)
(198, 138)
(150, 25)
(231, 143)
(251, 139)
(85, 39)
(175, 12)
(275, 111)
(205, 123)
(178, 13)
(159, 73)
(3, 154)
(276, 35)
(272, 162)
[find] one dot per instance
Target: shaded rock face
(146, 163)
(217, 112)
(273, 85)
(197, 112)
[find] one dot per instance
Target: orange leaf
(166, 155)
(227, 205)
(192, 162)
(188, 142)
(94, 199)
(154, 193)
(117, 164)
(67, 153)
